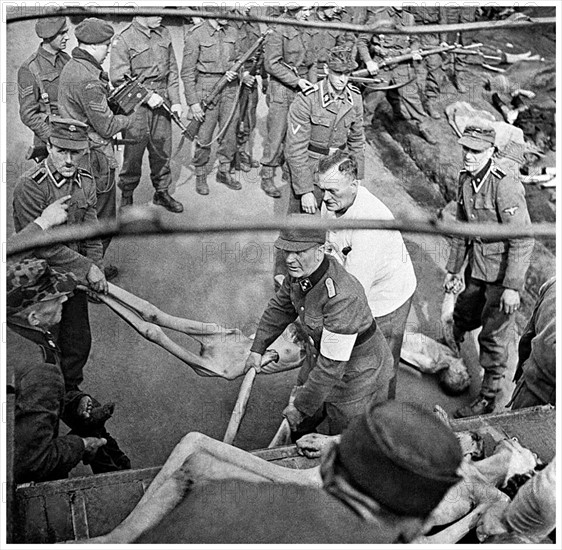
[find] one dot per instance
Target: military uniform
(324, 40)
(141, 51)
(451, 15)
(405, 101)
(491, 196)
(35, 190)
(430, 82)
(319, 122)
(288, 56)
(348, 361)
(208, 53)
(38, 84)
(249, 32)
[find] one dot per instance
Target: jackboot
(485, 403)
(269, 188)
(163, 198)
(224, 177)
(126, 202)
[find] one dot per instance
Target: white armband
(337, 347)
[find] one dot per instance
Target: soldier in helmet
(290, 61)
(38, 81)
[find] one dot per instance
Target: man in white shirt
(378, 259)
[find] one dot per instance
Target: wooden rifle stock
(192, 128)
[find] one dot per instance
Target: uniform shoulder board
(123, 30)
(39, 175)
(353, 88)
(330, 287)
(498, 172)
(309, 91)
(85, 173)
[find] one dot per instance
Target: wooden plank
(79, 515)
(58, 510)
(32, 526)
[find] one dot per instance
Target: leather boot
(269, 188)
(224, 177)
(163, 198)
(201, 184)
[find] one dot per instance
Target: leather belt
(325, 150)
(365, 335)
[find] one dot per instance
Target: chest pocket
(208, 51)
(77, 207)
(320, 120)
(484, 207)
(141, 57)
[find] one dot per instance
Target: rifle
(193, 127)
(388, 62)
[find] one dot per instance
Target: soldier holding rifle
(210, 49)
(144, 49)
(374, 48)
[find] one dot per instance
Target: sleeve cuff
(41, 223)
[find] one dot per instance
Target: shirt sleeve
(512, 209)
(356, 136)
(188, 66)
(173, 77)
(459, 245)
(273, 56)
(119, 61)
(30, 107)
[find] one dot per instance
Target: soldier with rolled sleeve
(290, 61)
(210, 48)
(496, 269)
(38, 82)
(144, 49)
(321, 120)
(374, 48)
(83, 92)
(348, 362)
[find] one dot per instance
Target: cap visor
(475, 144)
(74, 145)
(293, 246)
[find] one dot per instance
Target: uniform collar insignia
(307, 283)
(478, 179)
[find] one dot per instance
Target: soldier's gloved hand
(96, 279)
(231, 75)
(304, 84)
(55, 214)
(253, 362)
(312, 445)
(308, 203)
(248, 79)
(197, 112)
(510, 301)
(416, 56)
(176, 108)
(293, 415)
(372, 67)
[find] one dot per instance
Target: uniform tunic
(40, 74)
(289, 55)
(347, 357)
(209, 52)
(319, 122)
(34, 191)
(148, 53)
(83, 92)
(40, 455)
(490, 196)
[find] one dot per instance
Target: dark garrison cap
(342, 60)
(297, 240)
(68, 133)
(402, 456)
(93, 31)
(31, 281)
(48, 27)
(478, 137)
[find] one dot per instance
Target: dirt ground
(225, 279)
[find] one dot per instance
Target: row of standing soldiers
(290, 62)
